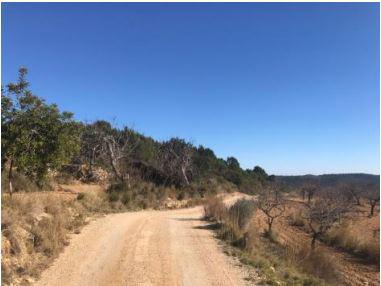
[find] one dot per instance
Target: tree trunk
(313, 242)
(10, 178)
(372, 206)
(114, 162)
(91, 162)
(184, 175)
(270, 223)
(128, 180)
(309, 197)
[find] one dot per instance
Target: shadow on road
(211, 226)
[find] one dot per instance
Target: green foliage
(232, 163)
(36, 136)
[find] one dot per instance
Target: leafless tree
(271, 203)
(119, 147)
(323, 212)
(352, 191)
(310, 188)
(175, 159)
(372, 195)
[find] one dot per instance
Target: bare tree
(310, 188)
(120, 146)
(272, 204)
(372, 195)
(323, 212)
(353, 191)
(175, 159)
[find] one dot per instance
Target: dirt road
(145, 248)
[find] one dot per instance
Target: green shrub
(113, 196)
(126, 198)
(117, 187)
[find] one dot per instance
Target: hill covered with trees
(38, 138)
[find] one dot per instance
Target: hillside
(330, 180)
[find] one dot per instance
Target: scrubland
(37, 225)
(348, 254)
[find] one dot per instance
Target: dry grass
(295, 219)
(36, 227)
(357, 231)
(276, 264)
(214, 209)
(143, 195)
(318, 263)
(346, 237)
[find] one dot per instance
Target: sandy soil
(146, 248)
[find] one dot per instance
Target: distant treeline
(329, 180)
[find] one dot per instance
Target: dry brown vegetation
(347, 251)
(36, 227)
(276, 264)
(352, 245)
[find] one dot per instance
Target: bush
(126, 198)
(80, 196)
(242, 212)
(117, 187)
(20, 183)
(35, 228)
(182, 195)
(276, 262)
(319, 263)
(214, 209)
(295, 219)
(96, 202)
(271, 235)
(113, 196)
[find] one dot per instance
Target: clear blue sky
(293, 88)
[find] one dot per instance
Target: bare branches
(120, 147)
(309, 189)
(324, 212)
(101, 139)
(175, 159)
(372, 195)
(272, 204)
